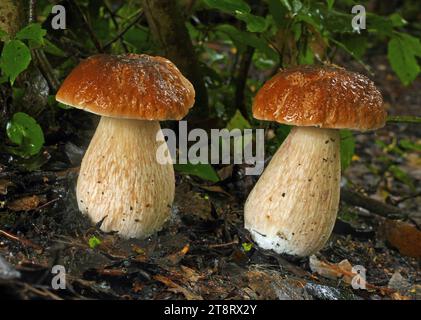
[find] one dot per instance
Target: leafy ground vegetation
(227, 49)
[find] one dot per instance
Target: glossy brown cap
(128, 86)
(326, 97)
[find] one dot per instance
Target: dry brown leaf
(403, 236)
(4, 185)
(25, 203)
(190, 274)
(342, 270)
(174, 287)
(174, 258)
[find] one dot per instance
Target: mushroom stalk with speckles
(292, 209)
(120, 179)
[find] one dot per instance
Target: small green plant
(247, 246)
(94, 242)
(201, 170)
(16, 54)
(26, 133)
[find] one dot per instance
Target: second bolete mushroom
(293, 207)
(120, 180)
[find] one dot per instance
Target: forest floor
(204, 252)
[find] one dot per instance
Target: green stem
(409, 119)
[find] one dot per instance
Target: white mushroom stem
(292, 209)
(121, 180)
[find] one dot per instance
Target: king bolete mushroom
(292, 208)
(120, 178)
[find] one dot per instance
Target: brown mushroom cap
(128, 86)
(326, 97)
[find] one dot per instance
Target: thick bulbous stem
(293, 207)
(120, 178)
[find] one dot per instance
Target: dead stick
(21, 240)
(357, 199)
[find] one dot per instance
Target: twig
(21, 240)
(382, 209)
(122, 32)
(46, 69)
(43, 292)
(403, 199)
(91, 32)
(221, 245)
(113, 19)
(407, 119)
(241, 80)
(47, 204)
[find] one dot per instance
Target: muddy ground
(204, 252)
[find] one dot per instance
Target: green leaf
(242, 38)
(409, 145)
(296, 6)
(413, 43)
(402, 52)
(330, 4)
(347, 148)
(24, 131)
(33, 32)
(14, 59)
(278, 9)
(306, 57)
(254, 23)
(401, 175)
(238, 122)
(228, 6)
(379, 24)
(52, 49)
(241, 10)
(397, 20)
(138, 37)
(286, 4)
(204, 171)
(356, 45)
(94, 242)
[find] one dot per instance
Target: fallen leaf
(25, 203)
(4, 185)
(216, 189)
(191, 274)
(398, 283)
(174, 258)
(174, 287)
(342, 270)
(403, 236)
(225, 172)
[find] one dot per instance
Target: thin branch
(355, 198)
(241, 81)
(122, 32)
(91, 32)
(113, 19)
(22, 241)
(404, 119)
(46, 69)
